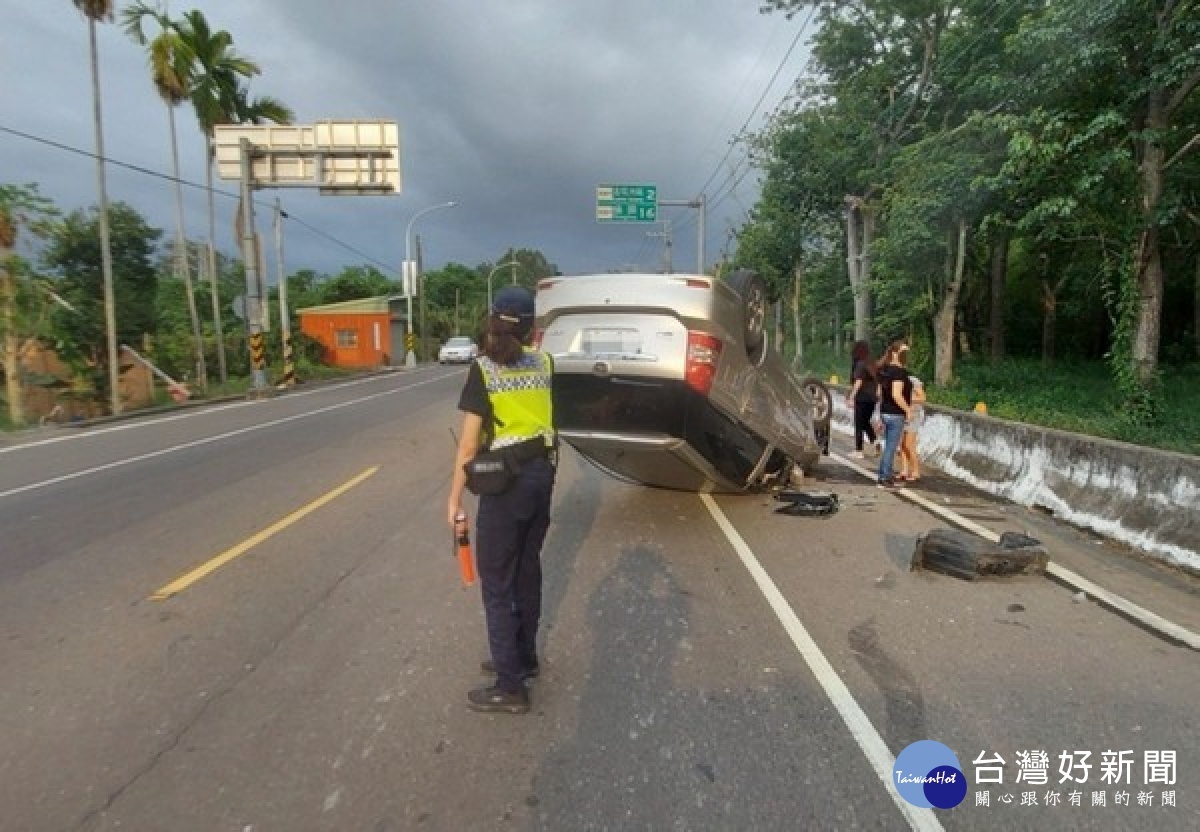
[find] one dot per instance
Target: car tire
(822, 414)
(753, 290)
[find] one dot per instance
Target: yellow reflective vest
(520, 397)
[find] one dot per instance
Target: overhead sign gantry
(343, 158)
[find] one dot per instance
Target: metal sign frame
(358, 158)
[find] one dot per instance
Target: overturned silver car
(669, 380)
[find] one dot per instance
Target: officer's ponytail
(504, 341)
(509, 325)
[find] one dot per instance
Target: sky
(514, 109)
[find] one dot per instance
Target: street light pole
(410, 357)
(492, 274)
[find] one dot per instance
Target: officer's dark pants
(509, 535)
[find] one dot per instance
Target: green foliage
(23, 208)
(355, 282)
(1053, 123)
(1079, 397)
(304, 289)
(24, 214)
(73, 254)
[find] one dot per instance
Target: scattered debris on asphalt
(807, 503)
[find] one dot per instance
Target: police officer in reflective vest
(506, 405)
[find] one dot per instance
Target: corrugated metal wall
(372, 338)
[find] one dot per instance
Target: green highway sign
(627, 203)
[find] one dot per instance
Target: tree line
(990, 178)
(189, 62)
(56, 297)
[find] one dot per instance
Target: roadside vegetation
(1077, 397)
(1012, 187)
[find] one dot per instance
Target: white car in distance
(458, 349)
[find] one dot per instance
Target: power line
(736, 97)
(198, 186)
(729, 185)
(761, 98)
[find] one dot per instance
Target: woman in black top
(895, 408)
(863, 395)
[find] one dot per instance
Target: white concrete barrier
(1146, 498)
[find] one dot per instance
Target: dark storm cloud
(515, 109)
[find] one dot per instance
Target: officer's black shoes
(489, 666)
(494, 700)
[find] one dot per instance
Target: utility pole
(665, 234)
(410, 359)
(421, 297)
(285, 324)
(258, 362)
(700, 203)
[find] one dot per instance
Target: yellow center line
(180, 584)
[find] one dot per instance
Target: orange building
(368, 332)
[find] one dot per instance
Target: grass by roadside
(1075, 397)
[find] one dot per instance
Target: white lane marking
(1153, 620)
(1145, 616)
(864, 733)
(140, 422)
(120, 463)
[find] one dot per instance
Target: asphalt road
(707, 663)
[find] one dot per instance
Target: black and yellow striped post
(258, 352)
(289, 363)
(410, 342)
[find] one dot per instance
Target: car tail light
(703, 351)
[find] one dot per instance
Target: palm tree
(261, 109)
(94, 11)
(217, 96)
(171, 70)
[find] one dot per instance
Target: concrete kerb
(1114, 495)
(1142, 497)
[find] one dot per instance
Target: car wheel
(753, 290)
(822, 409)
